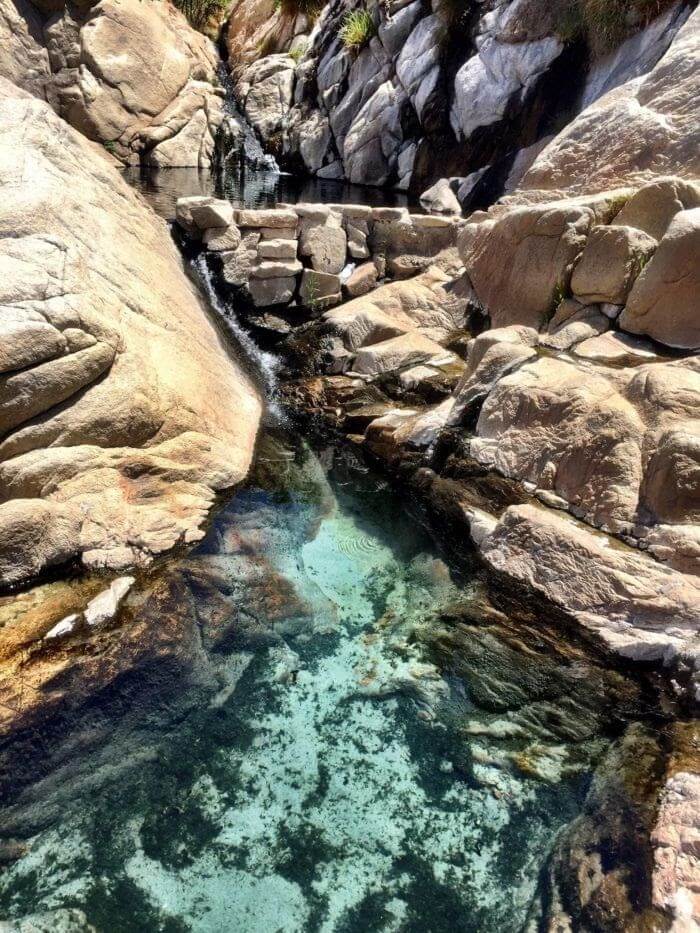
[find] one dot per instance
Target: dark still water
(315, 727)
(253, 188)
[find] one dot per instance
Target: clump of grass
(357, 29)
(617, 203)
(298, 53)
(604, 24)
(559, 295)
(199, 12)
(310, 8)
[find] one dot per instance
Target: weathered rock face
(432, 92)
(305, 253)
(664, 303)
(618, 593)
(24, 59)
(258, 27)
(607, 430)
(266, 92)
(646, 127)
(121, 412)
(149, 97)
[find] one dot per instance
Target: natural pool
(253, 187)
(320, 727)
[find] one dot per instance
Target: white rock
(104, 606)
(63, 627)
(486, 82)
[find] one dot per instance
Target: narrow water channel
(346, 743)
(311, 723)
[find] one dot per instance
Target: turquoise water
(349, 743)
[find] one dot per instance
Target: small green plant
(616, 205)
(559, 294)
(298, 53)
(311, 293)
(309, 8)
(357, 29)
(603, 24)
(110, 146)
(639, 263)
(199, 12)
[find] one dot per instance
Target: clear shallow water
(347, 745)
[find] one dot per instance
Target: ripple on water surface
(332, 778)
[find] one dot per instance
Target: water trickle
(238, 143)
(265, 365)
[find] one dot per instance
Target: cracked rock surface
(121, 412)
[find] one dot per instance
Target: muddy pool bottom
(317, 726)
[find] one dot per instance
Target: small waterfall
(264, 366)
(238, 140)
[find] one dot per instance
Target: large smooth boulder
(440, 198)
(665, 300)
(418, 64)
(645, 128)
(265, 89)
(133, 76)
(122, 414)
(573, 323)
(638, 607)
(490, 356)
(370, 146)
(522, 266)
(618, 444)
(652, 207)
(612, 258)
(573, 434)
(487, 82)
(399, 353)
(433, 303)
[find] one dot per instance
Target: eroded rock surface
(433, 94)
(121, 412)
(641, 129)
(156, 101)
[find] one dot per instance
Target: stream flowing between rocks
(314, 722)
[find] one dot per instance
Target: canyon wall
(429, 91)
(131, 75)
(122, 414)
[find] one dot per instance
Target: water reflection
(252, 188)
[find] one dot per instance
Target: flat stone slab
(277, 249)
(275, 270)
(613, 347)
(265, 218)
(425, 221)
(353, 211)
(389, 213)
